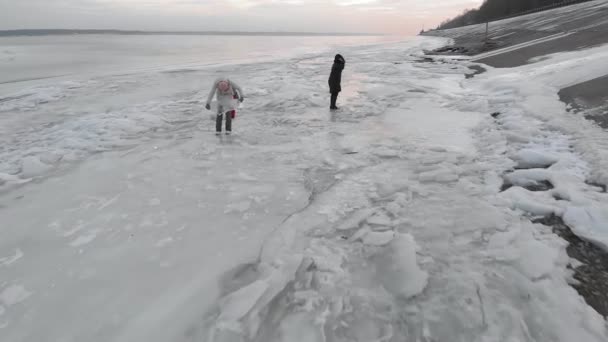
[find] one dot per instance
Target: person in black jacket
(335, 80)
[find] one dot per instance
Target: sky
(363, 16)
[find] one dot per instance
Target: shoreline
(68, 32)
(509, 47)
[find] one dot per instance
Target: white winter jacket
(225, 100)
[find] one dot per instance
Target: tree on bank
(495, 9)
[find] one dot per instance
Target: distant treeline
(496, 9)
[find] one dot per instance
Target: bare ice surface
(124, 218)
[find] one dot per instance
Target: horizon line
(48, 32)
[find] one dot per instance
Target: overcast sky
(378, 16)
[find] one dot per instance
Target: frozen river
(124, 218)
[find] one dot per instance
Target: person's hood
(223, 84)
(339, 59)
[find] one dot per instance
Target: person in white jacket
(227, 94)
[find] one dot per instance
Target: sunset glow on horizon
(363, 16)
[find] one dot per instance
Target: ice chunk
(360, 233)
(378, 238)
(14, 294)
(84, 239)
(530, 158)
(590, 223)
(6, 261)
(31, 166)
(393, 208)
(379, 219)
(527, 178)
(398, 270)
(535, 207)
(441, 176)
(503, 239)
(242, 175)
(301, 326)
(243, 307)
(381, 228)
(517, 138)
(239, 303)
(355, 219)
(164, 242)
(50, 158)
(431, 159)
(437, 149)
(525, 200)
(385, 152)
(239, 207)
(6, 179)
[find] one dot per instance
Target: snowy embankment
(567, 28)
(384, 221)
(583, 209)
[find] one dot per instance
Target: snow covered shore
(384, 221)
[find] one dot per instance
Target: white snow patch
(562, 70)
(503, 239)
(14, 294)
(590, 223)
(537, 259)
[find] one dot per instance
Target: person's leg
(228, 122)
(334, 98)
(218, 123)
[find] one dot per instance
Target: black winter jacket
(335, 78)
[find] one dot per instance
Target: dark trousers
(334, 98)
(218, 122)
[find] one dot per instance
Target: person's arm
(211, 95)
(238, 90)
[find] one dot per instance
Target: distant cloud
(387, 16)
